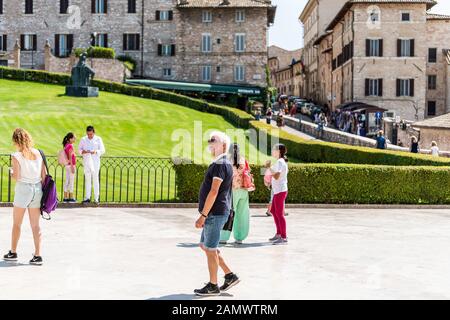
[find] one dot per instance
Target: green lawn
(129, 126)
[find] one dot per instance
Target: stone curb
(253, 206)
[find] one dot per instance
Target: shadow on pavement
(184, 296)
(8, 264)
(188, 245)
(228, 245)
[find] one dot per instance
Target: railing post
(9, 180)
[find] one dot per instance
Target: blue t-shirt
(381, 142)
(221, 169)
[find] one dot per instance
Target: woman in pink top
(68, 142)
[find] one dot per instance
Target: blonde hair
(22, 139)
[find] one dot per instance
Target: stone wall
(440, 135)
(332, 135)
(105, 69)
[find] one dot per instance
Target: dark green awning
(198, 87)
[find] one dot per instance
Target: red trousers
(277, 211)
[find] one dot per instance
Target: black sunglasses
(212, 140)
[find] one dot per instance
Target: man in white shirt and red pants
(91, 148)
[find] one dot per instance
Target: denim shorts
(28, 195)
(211, 231)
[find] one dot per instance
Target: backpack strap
(44, 158)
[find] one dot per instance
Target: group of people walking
(29, 171)
(224, 191)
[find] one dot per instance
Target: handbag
(247, 178)
(229, 224)
(49, 200)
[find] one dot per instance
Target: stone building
(315, 18)
(391, 54)
(438, 65)
(325, 51)
(286, 70)
(436, 129)
(211, 41)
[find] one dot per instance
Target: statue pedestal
(82, 92)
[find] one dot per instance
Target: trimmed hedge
(129, 62)
(328, 152)
(236, 117)
(339, 184)
(96, 52)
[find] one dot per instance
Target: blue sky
(287, 30)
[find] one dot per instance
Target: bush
(129, 62)
(327, 152)
(96, 52)
(339, 184)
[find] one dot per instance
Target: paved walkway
(151, 254)
(292, 131)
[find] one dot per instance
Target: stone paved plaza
(151, 254)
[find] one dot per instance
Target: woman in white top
(434, 149)
(29, 173)
(280, 190)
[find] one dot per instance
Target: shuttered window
(432, 55)
(432, 82)
(131, 42)
(63, 45)
(239, 44)
(28, 6)
(101, 40)
(239, 73)
(131, 6)
(99, 6)
(164, 15)
(431, 110)
(405, 87)
(28, 42)
(63, 6)
(206, 73)
(206, 43)
(3, 42)
(405, 48)
(374, 47)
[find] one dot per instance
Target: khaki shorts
(28, 195)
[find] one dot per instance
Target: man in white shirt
(91, 149)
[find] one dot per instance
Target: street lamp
(93, 38)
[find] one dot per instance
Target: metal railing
(122, 179)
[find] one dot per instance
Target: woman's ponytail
(67, 138)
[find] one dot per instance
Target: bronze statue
(82, 76)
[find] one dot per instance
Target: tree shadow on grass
(184, 296)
